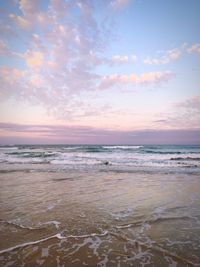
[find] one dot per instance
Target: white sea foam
(122, 147)
(88, 235)
(8, 148)
(129, 156)
(58, 236)
(172, 243)
(122, 214)
(56, 223)
(40, 225)
(124, 226)
(17, 224)
(170, 261)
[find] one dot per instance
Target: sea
(99, 205)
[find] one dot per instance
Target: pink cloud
(11, 81)
(119, 4)
(155, 77)
(34, 59)
(4, 51)
(120, 59)
(193, 103)
(184, 114)
(195, 48)
(123, 59)
(23, 23)
(60, 8)
(62, 58)
(169, 56)
(29, 7)
(148, 78)
(60, 134)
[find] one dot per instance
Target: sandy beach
(98, 215)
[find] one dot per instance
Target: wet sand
(99, 218)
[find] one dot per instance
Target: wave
(99, 149)
(84, 148)
(171, 149)
(163, 152)
(8, 147)
(39, 227)
(32, 154)
(31, 161)
(118, 156)
(88, 235)
(185, 158)
(18, 225)
(15, 170)
(23, 158)
(55, 223)
(58, 236)
(151, 221)
(122, 147)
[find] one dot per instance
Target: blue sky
(111, 66)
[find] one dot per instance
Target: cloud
(195, 48)
(21, 22)
(172, 55)
(5, 51)
(29, 7)
(11, 81)
(34, 59)
(149, 78)
(63, 47)
(123, 59)
(184, 114)
(169, 56)
(61, 54)
(160, 121)
(120, 59)
(32, 17)
(119, 4)
(7, 31)
(20, 133)
(191, 103)
(133, 58)
(155, 77)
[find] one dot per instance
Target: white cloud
(133, 58)
(195, 48)
(120, 59)
(124, 59)
(169, 56)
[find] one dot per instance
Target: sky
(99, 72)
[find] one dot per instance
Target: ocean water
(63, 205)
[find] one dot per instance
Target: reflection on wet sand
(99, 219)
